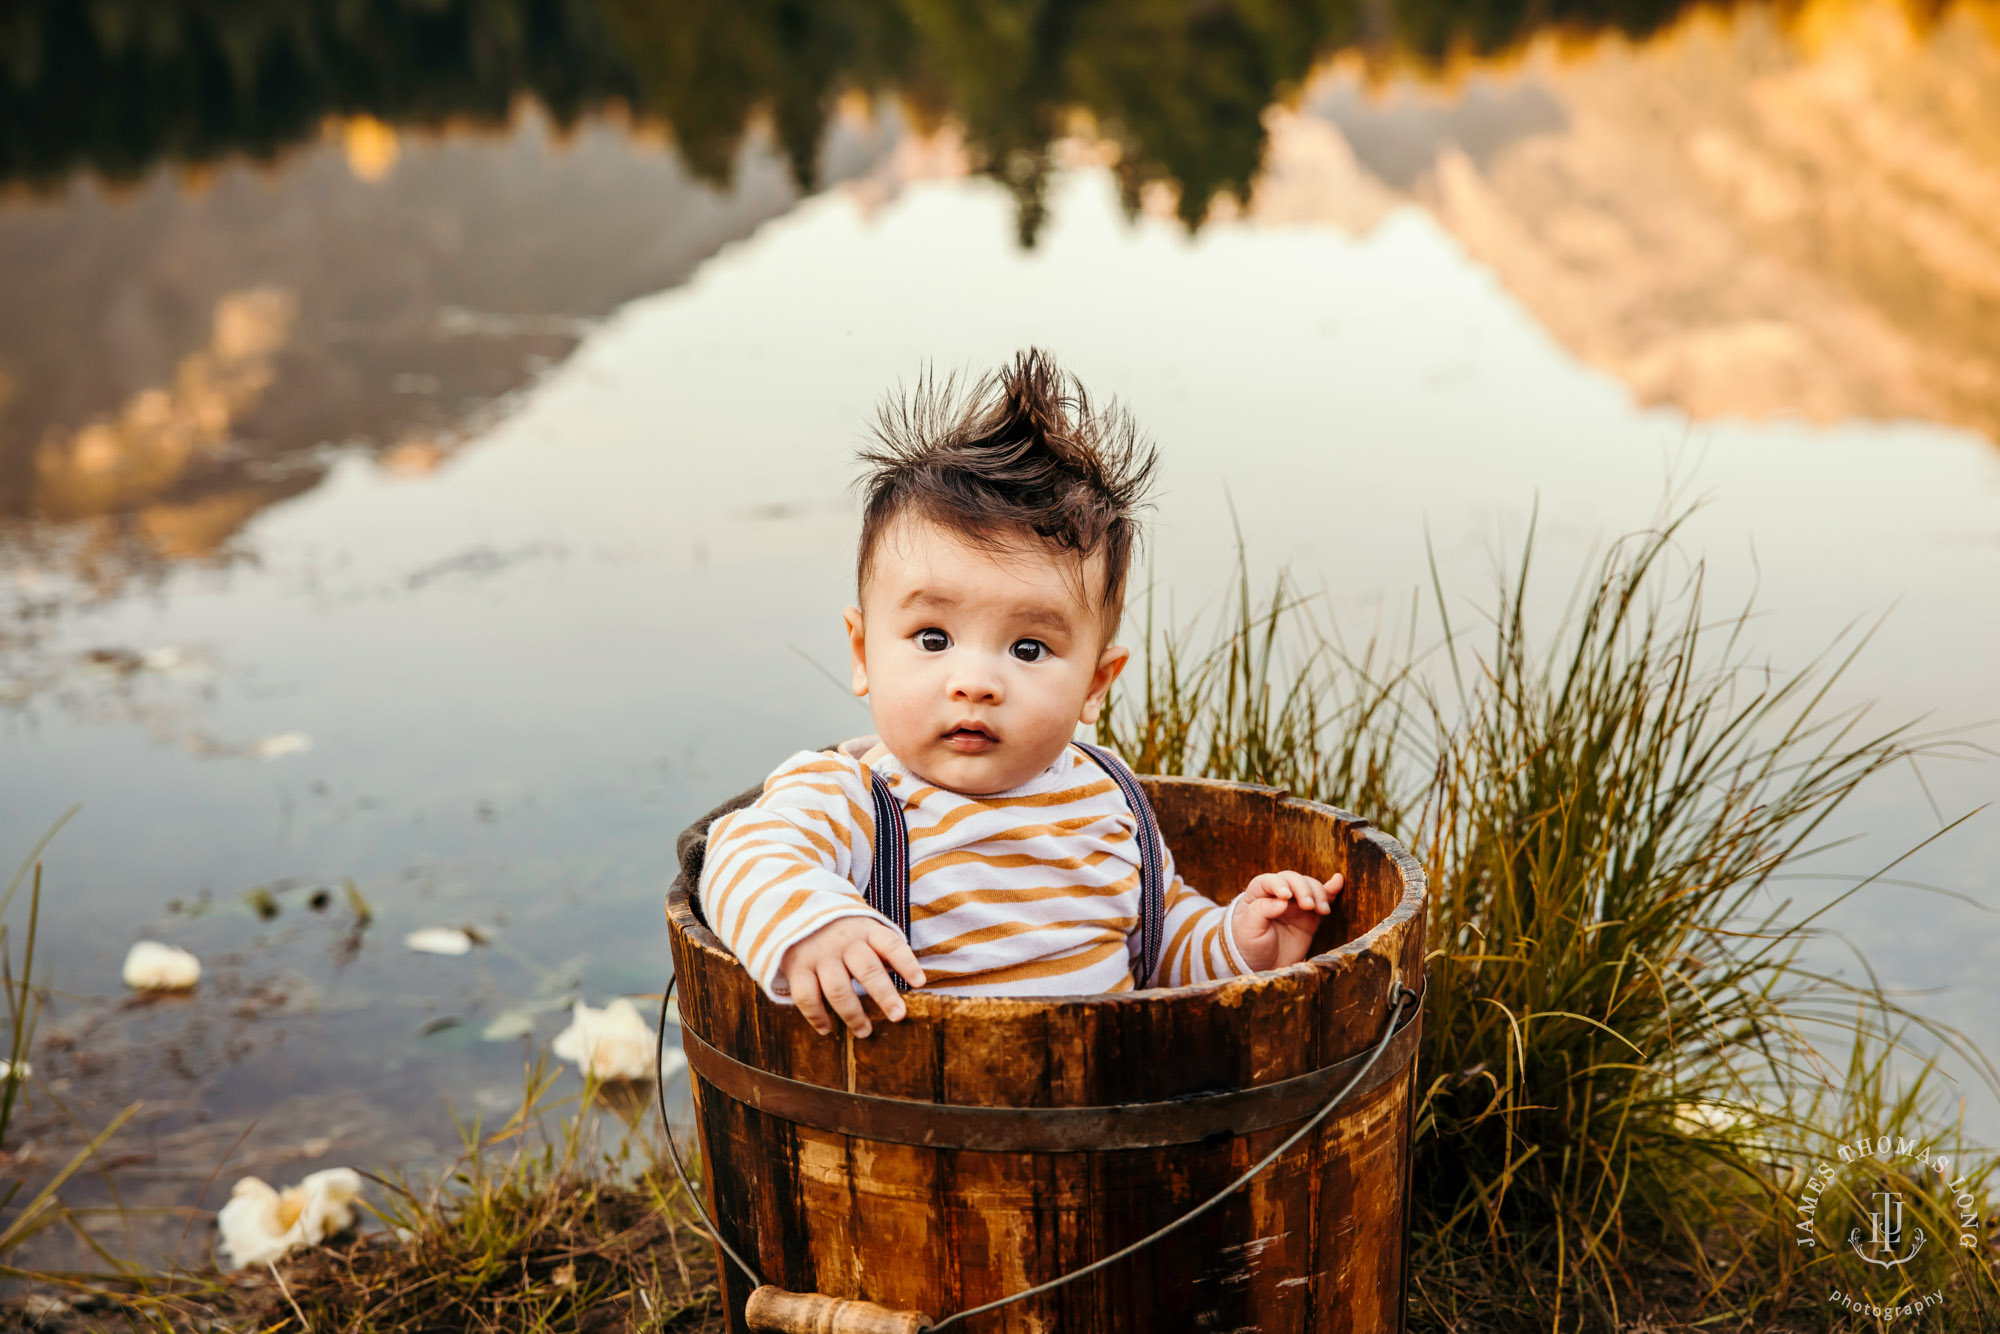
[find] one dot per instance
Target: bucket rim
(1405, 914)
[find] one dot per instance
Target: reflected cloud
(162, 434)
(1742, 217)
(174, 361)
(371, 148)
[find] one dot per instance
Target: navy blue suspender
(1152, 863)
(889, 881)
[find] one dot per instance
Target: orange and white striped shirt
(1029, 892)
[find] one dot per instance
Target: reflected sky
(460, 515)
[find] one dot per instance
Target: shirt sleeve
(794, 860)
(1198, 940)
(1198, 937)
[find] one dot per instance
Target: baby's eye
(933, 641)
(1030, 650)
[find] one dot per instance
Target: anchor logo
(1885, 1232)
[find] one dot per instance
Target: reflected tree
(117, 86)
(1180, 86)
(709, 69)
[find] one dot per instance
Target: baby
(995, 542)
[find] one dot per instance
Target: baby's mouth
(970, 738)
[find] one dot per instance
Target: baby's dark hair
(1024, 450)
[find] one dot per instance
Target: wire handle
(673, 1150)
(1400, 996)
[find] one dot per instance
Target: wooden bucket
(917, 1195)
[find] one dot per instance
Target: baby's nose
(976, 686)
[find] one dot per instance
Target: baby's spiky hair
(1023, 451)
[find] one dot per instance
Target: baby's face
(978, 665)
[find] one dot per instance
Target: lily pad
(508, 1025)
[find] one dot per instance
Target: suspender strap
(889, 881)
(1152, 869)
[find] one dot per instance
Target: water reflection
(1735, 213)
(1745, 212)
(173, 360)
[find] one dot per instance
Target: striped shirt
(1029, 892)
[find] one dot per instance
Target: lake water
(454, 502)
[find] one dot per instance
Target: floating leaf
(508, 1025)
(550, 1002)
(284, 743)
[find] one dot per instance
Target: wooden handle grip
(774, 1311)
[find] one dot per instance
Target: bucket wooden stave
(1315, 1243)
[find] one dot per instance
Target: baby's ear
(1109, 663)
(858, 647)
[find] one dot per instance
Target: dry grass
(535, 1228)
(567, 1253)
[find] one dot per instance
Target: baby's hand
(822, 968)
(1276, 916)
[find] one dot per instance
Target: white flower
(260, 1224)
(439, 940)
(611, 1043)
(151, 966)
(7, 1068)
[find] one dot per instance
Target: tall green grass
(1627, 1061)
